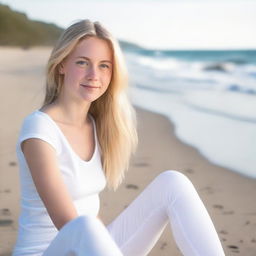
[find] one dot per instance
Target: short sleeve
(37, 126)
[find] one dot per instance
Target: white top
(84, 180)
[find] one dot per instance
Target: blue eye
(105, 66)
(82, 62)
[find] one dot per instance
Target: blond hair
(114, 115)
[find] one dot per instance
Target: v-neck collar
(66, 140)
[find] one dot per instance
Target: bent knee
(85, 222)
(173, 175)
(175, 180)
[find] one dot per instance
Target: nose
(92, 73)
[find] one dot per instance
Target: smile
(88, 86)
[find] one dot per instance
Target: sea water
(210, 96)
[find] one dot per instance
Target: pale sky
(162, 24)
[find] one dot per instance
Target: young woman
(80, 140)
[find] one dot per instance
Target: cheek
(108, 78)
(74, 74)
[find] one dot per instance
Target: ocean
(210, 96)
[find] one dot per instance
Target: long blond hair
(114, 115)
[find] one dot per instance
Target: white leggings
(170, 197)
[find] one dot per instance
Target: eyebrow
(86, 58)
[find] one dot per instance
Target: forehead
(93, 48)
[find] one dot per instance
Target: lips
(88, 86)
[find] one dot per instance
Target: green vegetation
(17, 30)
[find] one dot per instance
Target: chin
(90, 99)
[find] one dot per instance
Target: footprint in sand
(189, 171)
(247, 222)
(253, 240)
(132, 186)
(6, 223)
(5, 212)
(12, 163)
(221, 207)
(141, 164)
(234, 248)
(218, 206)
(7, 190)
(224, 232)
(228, 212)
(163, 245)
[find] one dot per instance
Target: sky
(157, 24)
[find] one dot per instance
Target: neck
(72, 113)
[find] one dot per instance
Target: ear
(61, 68)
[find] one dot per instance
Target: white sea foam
(224, 103)
(214, 111)
(224, 141)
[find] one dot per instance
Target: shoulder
(38, 125)
(37, 121)
(36, 115)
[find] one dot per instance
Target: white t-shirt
(84, 180)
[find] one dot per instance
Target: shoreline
(172, 124)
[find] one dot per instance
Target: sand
(229, 197)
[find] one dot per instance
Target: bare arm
(42, 162)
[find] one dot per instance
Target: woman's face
(88, 69)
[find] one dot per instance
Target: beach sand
(228, 196)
